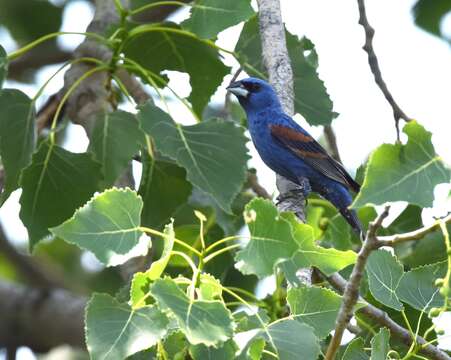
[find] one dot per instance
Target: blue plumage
(291, 151)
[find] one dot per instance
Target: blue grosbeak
(291, 151)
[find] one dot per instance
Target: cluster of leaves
(188, 303)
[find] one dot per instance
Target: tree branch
(398, 113)
(27, 266)
(382, 318)
(418, 234)
(278, 66)
(40, 319)
(351, 292)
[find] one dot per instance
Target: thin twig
(229, 94)
(393, 240)
(398, 113)
(382, 318)
(331, 139)
(256, 187)
(351, 292)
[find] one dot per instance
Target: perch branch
(331, 139)
(398, 113)
(351, 292)
(382, 318)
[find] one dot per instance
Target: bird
(290, 151)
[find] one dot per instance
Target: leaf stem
(187, 258)
(158, 3)
(28, 47)
(222, 241)
(220, 251)
(177, 241)
(68, 94)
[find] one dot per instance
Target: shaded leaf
(317, 307)
(213, 152)
(429, 14)
(108, 226)
(116, 138)
(175, 52)
(203, 322)
(311, 98)
(3, 65)
(355, 350)
(417, 288)
(115, 331)
(384, 275)
(225, 351)
(17, 135)
(404, 172)
(291, 338)
(338, 233)
(380, 345)
(163, 189)
(54, 185)
(209, 17)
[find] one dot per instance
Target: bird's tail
(351, 217)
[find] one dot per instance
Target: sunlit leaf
(116, 138)
(54, 185)
(213, 152)
(115, 331)
(203, 322)
(384, 275)
(404, 172)
(209, 17)
(17, 135)
(108, 226)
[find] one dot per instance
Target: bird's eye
(254, 87)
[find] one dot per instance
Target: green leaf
(310, 254)
(115, 331)
(17, 136)
(291, 338)
(404, 172)
(417, 288)
(213, 152)
(355, 350)
(279, 239)
(3, 65)
(225, 351)
(116, 138)
(203, 322)
(163, 189)
(271, 239)
(209, 17)
(317, 307)
(384, 275)
(380, 345)
(55, 184)
(108, 226)
(338, 233)
(175, 346)
(180, 52)
(210, 288)
(429, 14)
(311, 98)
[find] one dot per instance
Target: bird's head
(254, 94)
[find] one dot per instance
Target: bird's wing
(309, 150)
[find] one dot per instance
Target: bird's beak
(237, 88)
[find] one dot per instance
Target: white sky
(414, 64)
